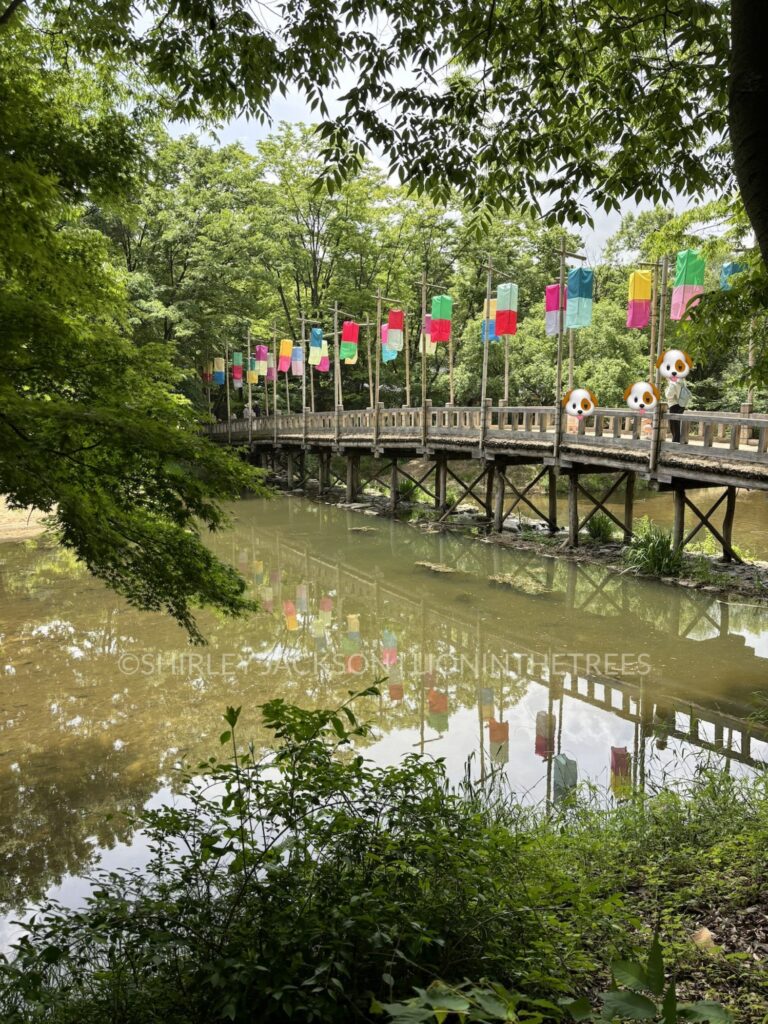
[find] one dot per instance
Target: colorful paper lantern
(506, 309)
(552, 306)
(488, 323)
(315, 345)
(284, 358)
(207, 372)
(325, 360)
(442, 314)
(689, 283)
(388, 353)
(297, 361)
(581, 281)
(219, 371)
(350, 335)
(271, 371)
(621, 772)
(639, 302)
(262, 358)
(726, 273)
(237, 369)
(252, 375)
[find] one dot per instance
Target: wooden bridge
(716, 450)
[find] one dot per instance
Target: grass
(652, 551)
(304, 884)
(600, 528)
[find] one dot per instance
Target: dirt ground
(19, 524)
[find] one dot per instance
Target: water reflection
(550, 674)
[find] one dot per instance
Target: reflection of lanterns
(438, 702)
(498, 731)
(396, 691)
(318, 634)
(388, 647)
(485, 698)
(353, 625)
(500, 753)
(565, 776)
(301, 597)
(289, 612)
(428, 679)
(326, 609)
(545, 734)
(354, 664)
(267, 599)
(621, 770)
(498, 736)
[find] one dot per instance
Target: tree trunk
(748, 111)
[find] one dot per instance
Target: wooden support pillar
(498, 515)
(289, 468)
(573, 509)
(678, 524)
(441, 482)
(552, 498)
(302, 468)
(256, 458)
(393, 491)
(325, 471)
(629, 506)
(353, 476)
(490, 475)
(730, 512)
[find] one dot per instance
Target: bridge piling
(573, 509)
(552, 499)
(353, 475)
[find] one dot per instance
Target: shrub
(600, 528)
(308, 885)
(652, 551)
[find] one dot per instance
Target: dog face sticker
(580, 402)
(642, 396)
(674, 364)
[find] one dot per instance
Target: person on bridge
(675, 365)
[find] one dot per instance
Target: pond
(551, 669)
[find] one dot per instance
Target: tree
(601, 101)
(92, 427)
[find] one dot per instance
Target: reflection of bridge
(716, 450)
(565, 607)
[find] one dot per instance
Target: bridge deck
(715, 448)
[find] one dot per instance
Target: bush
(652, 551)
(307, 885)
(600, 528)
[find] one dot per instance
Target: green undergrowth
(306, 884)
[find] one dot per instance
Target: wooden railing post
(426, 416)
(484, 415)
(376, 418)
(304, 427)
(653, 455)
(337, 424)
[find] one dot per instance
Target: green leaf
(629, 1006)
(656, 967)
(579, 1009)
(225, 737)
(630, 975)
(669, 1006)
(704, 1010)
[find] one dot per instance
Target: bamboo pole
(662, 315)
(336, 363)
(570, 358)
(559, 371)
(654, 299)
(506, 369)
(226, 382)
(423, 342)
(304, 356)
(370, 364)
(248, 380)
(407, 361)
(377, 346)
(487, 343)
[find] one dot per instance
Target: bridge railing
(709, 435)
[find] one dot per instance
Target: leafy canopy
(92, 428)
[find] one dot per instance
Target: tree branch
(10, 10)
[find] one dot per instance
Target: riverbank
(20, 523)
(701, 570)
(342, 888)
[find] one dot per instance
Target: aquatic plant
(652, 551)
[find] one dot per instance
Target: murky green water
(98, 701)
